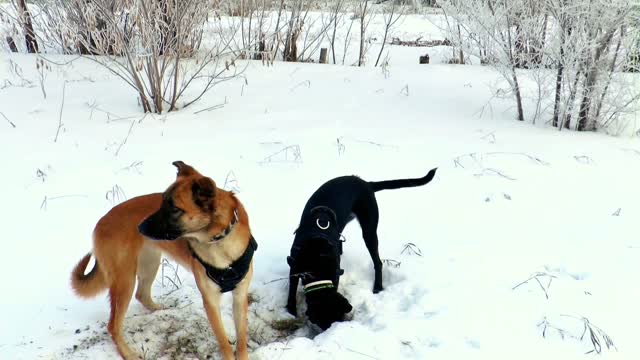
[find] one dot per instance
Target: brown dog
(204, 228)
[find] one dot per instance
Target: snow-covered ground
(525, 241)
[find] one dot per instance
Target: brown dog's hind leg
(148, 264)
(120, 295)
(240, 307)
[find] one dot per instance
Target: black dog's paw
(377, 289)
(292, 309)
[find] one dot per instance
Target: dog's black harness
(320, 225)
(231, 276)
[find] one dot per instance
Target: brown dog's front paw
(242, 355)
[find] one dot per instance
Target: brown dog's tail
(88, 285)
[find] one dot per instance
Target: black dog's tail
(403, 183)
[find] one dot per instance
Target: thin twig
(361, 353)
(286, 278)
(495, 172)
(214, 107)
(128, 133)
(64, 85)
(306, 82)
(9, 121)
(45, 201)
(293, 149)
(536, 277)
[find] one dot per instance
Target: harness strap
(228, 278)
(317, 285)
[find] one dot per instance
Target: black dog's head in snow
(326, 306)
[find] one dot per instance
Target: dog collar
(231, 276)
(228, 229)
(317, 285)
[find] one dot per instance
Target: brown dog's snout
(159, 226)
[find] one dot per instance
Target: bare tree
(363, 17)
(336, 15)
(347, 39)
(391, 16)
(295, 24)
(591, 38)
(25, 20)
(601, 39)
(491, 20)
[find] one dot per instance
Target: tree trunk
(559, 75)
(518, 95)
(335, 28)
(12, 44)
(570, 102)
(520, 49)
(556, 102)
(29, 34)
(291, 37)
(384, 40)
(612, 69)
(514, 75)
(362, 33)
(591, 77)
(461, 54)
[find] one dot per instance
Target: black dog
(317, 246)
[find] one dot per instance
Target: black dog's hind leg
(366, 210)
(293, 289)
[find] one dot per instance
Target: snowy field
(524, 246)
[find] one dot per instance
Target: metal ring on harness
(323, 227)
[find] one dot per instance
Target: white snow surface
(525, 235)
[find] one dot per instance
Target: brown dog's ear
(183, 169)
(204, 191)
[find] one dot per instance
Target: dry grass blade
(64, 85)
(391, 263)
(289, 154)
(596, 335)
(536, 277)
(9, 121)
(411, 249)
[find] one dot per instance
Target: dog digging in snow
(317, 246)
(204, 228)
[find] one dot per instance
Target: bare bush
(153, 46)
